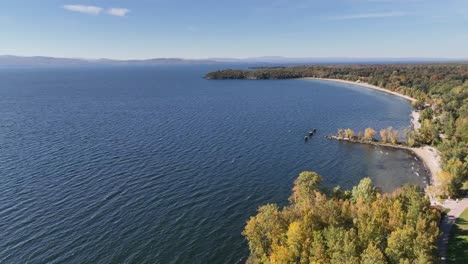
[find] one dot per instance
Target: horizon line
(271, 57)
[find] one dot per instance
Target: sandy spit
(429, 155)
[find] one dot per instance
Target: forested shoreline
(356, 226)
(441, 91)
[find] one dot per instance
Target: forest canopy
(358, 226)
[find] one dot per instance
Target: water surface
(158, 165)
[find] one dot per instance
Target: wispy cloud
(96, 10)
(121, 12)
(91, 10)
(367, 16)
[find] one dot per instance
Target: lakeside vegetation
(441, 91)
(387, 136)
(357, 226)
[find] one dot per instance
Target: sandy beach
(414, 114)
(415, 120)
(429, 155)
(370, 86)
(431, 158)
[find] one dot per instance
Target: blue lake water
(158, 165)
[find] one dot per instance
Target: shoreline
(429, 155)
(431, 159)
(414, 116)
(363, 84)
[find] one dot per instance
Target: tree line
(387, 135)
(356, 226)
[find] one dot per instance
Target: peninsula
(437, 91)
(439, 136)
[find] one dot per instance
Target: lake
(158, 165)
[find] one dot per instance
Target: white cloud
(91, 10)
(118, 11)
(368, 15)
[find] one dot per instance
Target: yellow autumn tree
(340, 133)
(364, 227)
(383, 135)
(394, 136)
(443, 180)
(369, 134)
(349, 133)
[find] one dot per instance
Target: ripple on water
(157, 165)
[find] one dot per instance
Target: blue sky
(124, 29)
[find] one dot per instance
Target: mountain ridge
(13, 60)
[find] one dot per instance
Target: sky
(141, 29)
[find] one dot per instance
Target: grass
(465, 186)
(458, 243)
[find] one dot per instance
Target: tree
(462, 128)
(400, 245)
(264, 230)
(410, 137)
(369, 134)
(305, 186)
(400, 227)
(349, 133)
(441, 187)
(318, 250)
(428, 133)
(393, 135)
(426, 114)
(459, 172)
(372, 255)
(383, 135)
(364, 190)
(360, 135)
(340, 133)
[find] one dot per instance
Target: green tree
(410, 138)
(400, 245)
(372, 255)
(364, 190)
(400, 227)
(305, 187)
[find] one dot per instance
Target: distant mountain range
(9, 60)
(322, 60)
